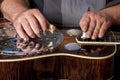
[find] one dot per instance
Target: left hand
(95, 24)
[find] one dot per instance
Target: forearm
(114, 13)
(12, 8)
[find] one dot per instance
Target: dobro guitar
(55, 55)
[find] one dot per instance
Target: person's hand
(95, 24)
(30, 23)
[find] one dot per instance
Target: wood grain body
(16, 70)
(84, 69)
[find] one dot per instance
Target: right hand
(95, 24)
(30, 23)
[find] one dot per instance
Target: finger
(103, 29)
(91, 27)
(26, 26)
(34, 24)
(96, 30)
(42, 21)
(21, 31)
(84, 23)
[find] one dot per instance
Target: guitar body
(89, 62)
(84, 69)
(60, 67)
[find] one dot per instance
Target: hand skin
(30, 22)
(95, 24)
(27, 22)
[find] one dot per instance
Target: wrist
(113, 13)
(17, 13)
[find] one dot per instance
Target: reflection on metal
(83, 35)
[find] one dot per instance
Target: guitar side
(65, 66)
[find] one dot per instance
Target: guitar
(69, 60)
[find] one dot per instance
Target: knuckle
(83, 22)
(92, 26)
(93, 14)
(97, 16)
(86, 20)
(87, 13)
(34, 10)
(26, 13)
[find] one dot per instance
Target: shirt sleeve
(112, 2)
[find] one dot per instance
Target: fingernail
(33, 36)
(100, 36)
(93, 38)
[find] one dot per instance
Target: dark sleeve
(112, 2)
